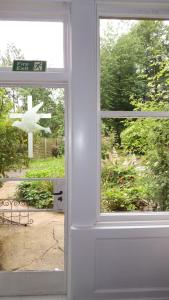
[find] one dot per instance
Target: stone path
(39, 246)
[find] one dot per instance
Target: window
(32, 40)
(134, 115)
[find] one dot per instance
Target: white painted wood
(42, 282)
(32, 283)
(83, 112)
(34, 79)
(134, 114)
(103, 261)
(133, 9)
(37, 283)
(121, 263)
(60, 180)
(46, 297)
(39, 10)
(27, 283)
(33, 10)
(129, 9)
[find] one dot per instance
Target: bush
(123, 188)
(13, 148)
(35, 195)
(115, 199)
(58, 149)
(40, 193)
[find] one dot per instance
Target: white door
(33, 214)
(33, 194)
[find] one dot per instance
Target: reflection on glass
(134, 65)
(135, 165)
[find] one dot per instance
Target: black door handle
(57, 194)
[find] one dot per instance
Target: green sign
(29, 65)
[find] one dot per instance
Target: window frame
(28, 11)
(119, 10)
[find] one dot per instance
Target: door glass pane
(32, 169)
(32, 41)
(134, 65)
(135, 165)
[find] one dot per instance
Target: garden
(27, 226)
(135, 151)
(134, 65)
(134, 70)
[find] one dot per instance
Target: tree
(11, 53)
(13, 148)
(6, 60)
(5, 103)
(127, 64)
(150, 137)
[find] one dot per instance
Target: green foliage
(115, 199)
(13, 148)
(129, 64)
(123, 188)
(158, 163)
(35, 195)
(10, 54)
(50, 167)
(136, 137)
(108, 141)
(5, 103)
(40, 193)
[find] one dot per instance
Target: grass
(48, 167)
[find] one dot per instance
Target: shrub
(40, 193)
(115, 199)
(13, 148)
(124, 188)
(35, 195)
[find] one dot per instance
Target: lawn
(48, 167)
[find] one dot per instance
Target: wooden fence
(43, 147)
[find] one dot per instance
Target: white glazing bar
(133, 9)
(59, 180)
(52, 79)
(34, 10)
(134, 114)
(26, 210)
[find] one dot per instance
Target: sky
(44, 40)
(118, 26)
(37, 40)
